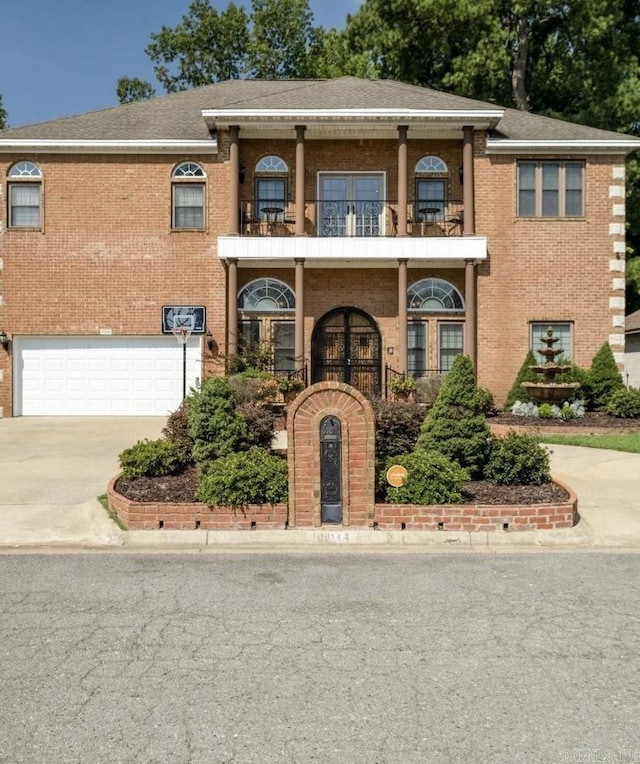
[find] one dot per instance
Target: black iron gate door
(346, 348)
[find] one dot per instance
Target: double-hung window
(562, 330)
(188, 194)
(550, 189)
(25, 196)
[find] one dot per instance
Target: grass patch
(623, 441)
(105, 503)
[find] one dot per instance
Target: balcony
(352, 218)
(347, 233)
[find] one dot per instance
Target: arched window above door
(434, 296)
(266, 296)
(431, 165)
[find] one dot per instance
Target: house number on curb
(330, 470)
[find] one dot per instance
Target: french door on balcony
(351, 205)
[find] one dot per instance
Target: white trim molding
(159, 146)
(598, 146)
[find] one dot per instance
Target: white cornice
(480, 118)
(597, 146)
(159, 146)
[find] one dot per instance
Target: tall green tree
(3, 116)
(206, 46)
(281, 32)
(131, 89)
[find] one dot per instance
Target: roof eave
(593, 146)
(60, 146)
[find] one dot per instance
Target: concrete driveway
(53, 468)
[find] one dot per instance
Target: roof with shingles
(177, 116)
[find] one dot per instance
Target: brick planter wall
(138, 515)
(470, 517)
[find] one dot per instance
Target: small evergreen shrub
(545, 411)
(432, 479)
(397, 427)
(517, 460)
(214, 424)
(176, 430)
(249, 477)
(518, 393)
(583, 376)
(454, 427)
(260, 422)
(150, 458)
(624, 404)
(604, 377)
(485, 402)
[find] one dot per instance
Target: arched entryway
(346, 347)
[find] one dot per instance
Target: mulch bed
(181, 488)
(592, 420)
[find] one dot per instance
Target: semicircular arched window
(434, 296)
(187, 196)
(266, 296)
(271, 163)
(431, 165)
(24, 190)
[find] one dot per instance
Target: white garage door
(101, 375)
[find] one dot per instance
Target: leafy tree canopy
(134, 89)
(3, 116)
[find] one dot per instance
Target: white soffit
(156, 146)
(597, 146)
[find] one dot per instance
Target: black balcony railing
(351, 218)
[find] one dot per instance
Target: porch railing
(352, 218)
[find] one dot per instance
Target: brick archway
(357, 421)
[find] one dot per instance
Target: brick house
(366, 227)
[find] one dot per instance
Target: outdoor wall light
(242, 172)
(4, 340)
(461, 175)
(211, 343)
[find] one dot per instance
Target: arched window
(272, 175)
(25, 195)
(266, 296)
(432, 180)
(271, 328)
(187, 196)
(432, 165)
(434, 296)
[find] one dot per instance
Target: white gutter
(155, 146)
(597, 146)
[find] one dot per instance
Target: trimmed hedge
(517, 460)
(432, 479)
(151, 458)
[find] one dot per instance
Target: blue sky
(63, 57)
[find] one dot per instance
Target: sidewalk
(607, 484)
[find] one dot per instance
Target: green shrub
(545, 411)
(584, 392)
(214, 424)
(624, 403)
(604, 377)
(517, 460)
(397, 427)
(249, 477)
(261, 423)
(485, 402)
(177, 431)
(150, 458)
(427, 388)
(432, 479)
(254, 386)
(454, 427)
(518, 393)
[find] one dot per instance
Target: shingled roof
(178, 116)
(632, 323)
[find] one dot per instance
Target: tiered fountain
(550, 391)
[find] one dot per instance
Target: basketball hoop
(182, 334)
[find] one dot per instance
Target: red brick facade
(106, 259)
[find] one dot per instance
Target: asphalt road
(339, 657)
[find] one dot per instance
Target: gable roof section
(178, 120)
(632, 323)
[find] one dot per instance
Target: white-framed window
(450, 343)
(563, 330)
(434, 296)
(549, 188)
(271, 179)
(188, 196)
(283, 334)
(432, 185)
(24, 196)
(417, 348)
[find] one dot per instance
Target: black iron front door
(346, 348)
